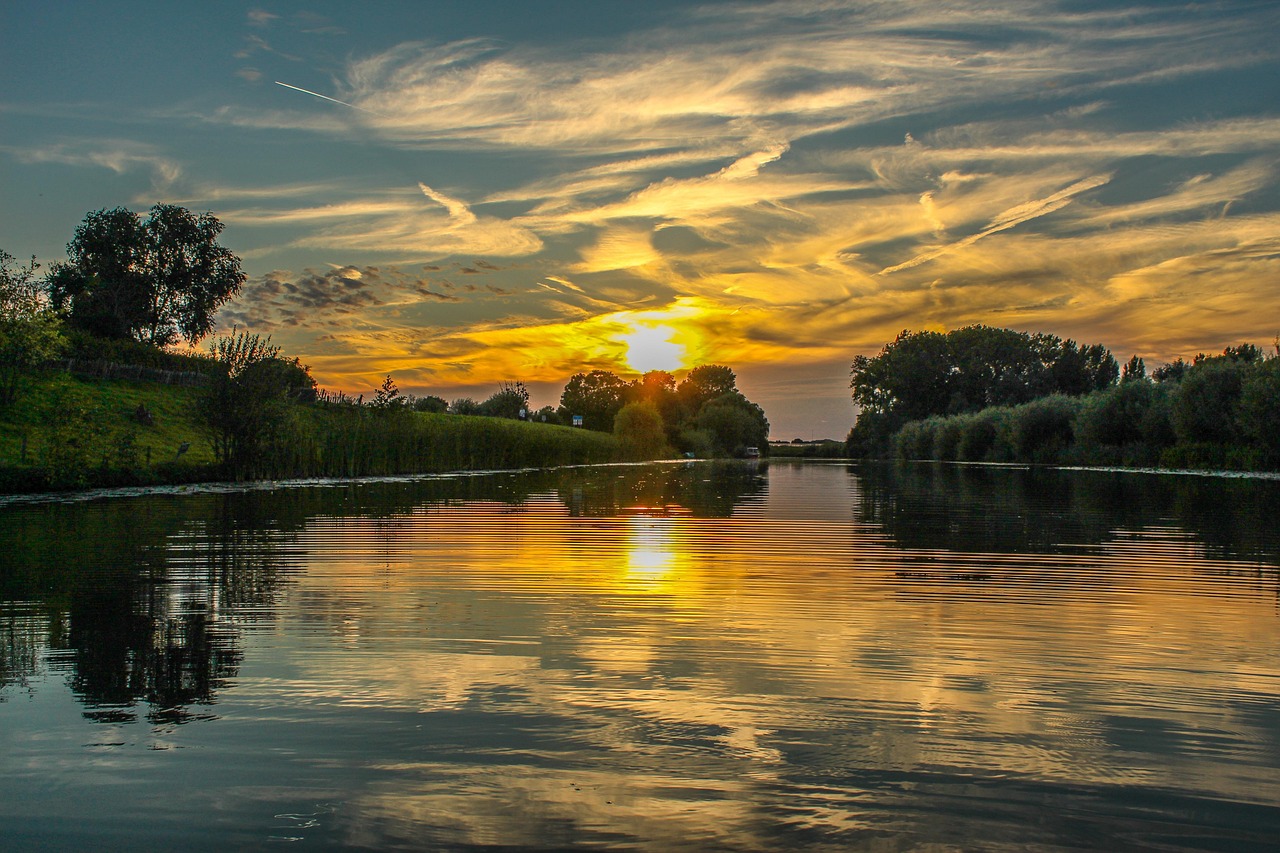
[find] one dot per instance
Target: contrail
(327, 98)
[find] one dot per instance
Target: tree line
(132, 286)
(995, 395)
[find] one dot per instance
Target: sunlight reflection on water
(661, 657)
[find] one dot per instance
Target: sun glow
(652, 348)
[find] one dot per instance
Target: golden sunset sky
(463, 194)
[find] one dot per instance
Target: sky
(463, 194)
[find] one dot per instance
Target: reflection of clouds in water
(659, 678)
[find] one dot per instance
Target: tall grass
(67, 432)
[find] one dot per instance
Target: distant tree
(1171, 372)
(1133, 370)
(703, 384)
(431, 403)
(1260, 407)
(597, 396)
(509, 401)
(387, 397)
(733, 424)
(1205, 409)
(641, 432)
(30, 330)
(154, 281)
(920, 374)
(464, 406)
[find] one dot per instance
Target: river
(690, 656)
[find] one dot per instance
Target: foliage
(921, 374)
(704, 384)
(464, 406)
(30, 331)
(1205, 408)
(154, 281)
(641, 432)
(430, 403)
(734, 424)
(1221, 413)
(387, 397)
(1042, 430)
(86, 347)
(597, 396)
(1171, 372)
(248, 407)
(1127, 423)
(510, 401)
(1259, 408)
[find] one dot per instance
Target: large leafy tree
(597, 396)
(154, 280)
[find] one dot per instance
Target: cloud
(313, 299)
(1007, 219)
(121, 156)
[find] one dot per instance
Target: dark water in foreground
(815, 656)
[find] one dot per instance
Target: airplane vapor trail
(326, 97)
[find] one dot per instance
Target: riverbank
(68, 432)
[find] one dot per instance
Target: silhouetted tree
(154, 281)
(249, 401)
(597, 396)
(508, 402)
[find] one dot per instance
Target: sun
(651, 348)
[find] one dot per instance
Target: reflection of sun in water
(651, 348)
(651, 553)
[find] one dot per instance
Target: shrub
(641, 432)
(946, 440)
(1205, 408)
(986, 437)
(1042, 430)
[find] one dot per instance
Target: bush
(641, 432)
(1205, 408)
(986, 437)
(946, 440)
(1043, 430)
(1259, 412)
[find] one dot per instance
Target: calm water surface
(667, 657)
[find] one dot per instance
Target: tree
(510, 401)
(1134, 370)
(249, 401)
(1207, 402)
(1260, 407)
(387, 397)
(431, 403)
(597, 396)
(921, 374)
(30, 331)
(703, 384)
(734, 423)
(154, 281)
(641, 432)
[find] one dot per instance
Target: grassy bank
(67, 433)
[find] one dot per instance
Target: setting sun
(651, 348)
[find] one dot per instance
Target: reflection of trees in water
(142, 600)
(20, 648)
(989, 509)
(707, 490)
